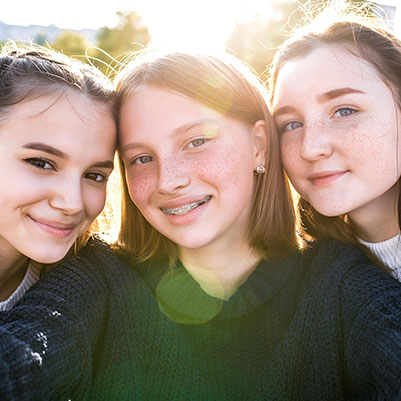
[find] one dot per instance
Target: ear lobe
(259, 137)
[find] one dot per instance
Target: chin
(330, 212)
(191, 243)
(46, 257)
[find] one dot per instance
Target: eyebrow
(186, 127)
(45, 148)
(324, 97)
(58, 153)
(178, 131)
(105, 164)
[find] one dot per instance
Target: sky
(199, 23)
(194, 24)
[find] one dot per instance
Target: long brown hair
(225, 85)
(364, 37)
(31, 71)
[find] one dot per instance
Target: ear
(259, 138)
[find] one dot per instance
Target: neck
(12, 272)
(220, 269)
(379, 221)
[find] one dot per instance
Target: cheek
(230, 168)
(140, 186)
(374, 149)
(95, 200)
(290, 154)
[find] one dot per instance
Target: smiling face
(339, 127)
(56, 155)
(189, 169)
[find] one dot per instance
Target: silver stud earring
(260, 169)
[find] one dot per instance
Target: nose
(316, 142)
(67, 196)
(173, 175)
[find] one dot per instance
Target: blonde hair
(364, 36)
(225, 85)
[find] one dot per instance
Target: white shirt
(389, 252)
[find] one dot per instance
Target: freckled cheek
(226, 168)
(372, 149)
(290, 156)
(141, 186)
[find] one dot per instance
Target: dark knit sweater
(323, 325)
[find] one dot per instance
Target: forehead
(323, 67)
(70, 101)
(159, 110)
(62, 121)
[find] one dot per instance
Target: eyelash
(103, 177)
(39, 163)
(283, 127)
(138, 158)
(203, 140)
(348, 108)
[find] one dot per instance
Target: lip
(326, 177)
(180, 202)
(191, 215)
(58, 230)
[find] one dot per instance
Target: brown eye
(97, 177)
(40, 163)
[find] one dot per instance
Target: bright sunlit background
(251, 29)
(204, 24)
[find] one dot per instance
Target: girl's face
(189, 169)
(55, 157)
(339, 127)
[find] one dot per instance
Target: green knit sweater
(323, 325)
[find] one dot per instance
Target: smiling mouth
(57, 229)
(179, 211)
(326, 178)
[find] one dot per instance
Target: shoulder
(342, 270)
(325, 258)
(96, 265)
(333, 256)
(347, 273)
(99, 254)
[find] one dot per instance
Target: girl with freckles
(340, 131)
(209, 295)
(57, 139)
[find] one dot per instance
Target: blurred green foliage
(253, 41)
(112, 43)
(71, 43)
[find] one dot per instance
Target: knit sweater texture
(321, 325)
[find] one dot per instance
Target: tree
(129, 35)
(40, 38)
(71, 43)
(255, 42)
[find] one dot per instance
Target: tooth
(186, 208)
